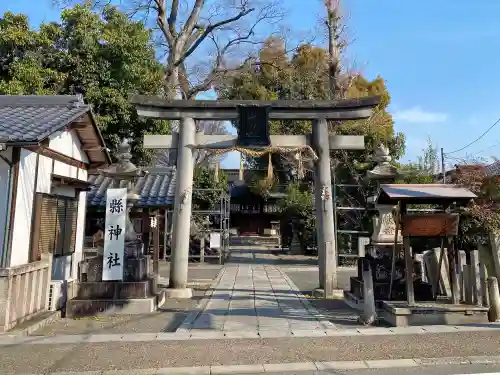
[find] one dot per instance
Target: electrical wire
(477, 139)
(486, 149)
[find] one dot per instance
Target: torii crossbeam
(253, 133)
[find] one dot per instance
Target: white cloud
(418, 115)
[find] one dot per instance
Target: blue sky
(439, 59)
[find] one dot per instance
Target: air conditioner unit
(58, 292)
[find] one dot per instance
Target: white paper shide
(114, 240)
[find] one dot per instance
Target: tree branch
(208, 30)
(191, 22)
(162, 22)
(172, 19)
(218, 66)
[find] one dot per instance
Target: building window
(54, 226)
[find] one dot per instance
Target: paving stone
(388, 363)
(309, 333)
(151, 371)
(442, 361)
(439, 329)
(242, 334)
(272, 334)
(286, 367)
(236, 369)
(207, 334)
(201, 370)
(73, 373)
(342, 332)
(60, 339)
(407, 330)
(375, 331)
(341, 365)
(255, 297)
(484, 359)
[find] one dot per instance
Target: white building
(48, 145)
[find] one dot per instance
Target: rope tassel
(270, 174)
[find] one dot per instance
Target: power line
(477, 139)
(486, 149)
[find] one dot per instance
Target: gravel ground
(166, 319)
(18, 359)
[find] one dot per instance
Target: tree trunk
(334, 48)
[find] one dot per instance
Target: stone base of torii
(253, 136)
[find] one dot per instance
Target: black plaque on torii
(253, 127)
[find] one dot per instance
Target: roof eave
(99, 134)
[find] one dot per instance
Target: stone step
(254, 240)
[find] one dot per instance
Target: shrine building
(48, 145)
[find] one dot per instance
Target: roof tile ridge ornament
(78, 102)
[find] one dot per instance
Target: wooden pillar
(454, 272)
(410, 294)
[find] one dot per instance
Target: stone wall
(24, 292)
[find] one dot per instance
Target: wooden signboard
(430, 225)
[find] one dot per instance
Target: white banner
(114, 240)
(214, 240)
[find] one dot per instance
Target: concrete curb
(186, 334)
(50, 317)
(294, 367)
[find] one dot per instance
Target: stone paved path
(255, 297)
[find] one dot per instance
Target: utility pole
(442, 166)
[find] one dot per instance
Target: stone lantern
(384, 226)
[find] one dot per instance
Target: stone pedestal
(135, 269)
(136, 294)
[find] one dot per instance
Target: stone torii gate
(253, 133)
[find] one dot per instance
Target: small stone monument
(124, 173)
(135, 293)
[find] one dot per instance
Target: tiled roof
(25, 118)
(157, 188)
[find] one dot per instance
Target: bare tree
(202, 40)
(231, 27)
(166, 157)
(334, 26)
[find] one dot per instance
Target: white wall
(67, 143)
(23, 209)
(4, 198)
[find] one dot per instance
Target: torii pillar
(253, 133)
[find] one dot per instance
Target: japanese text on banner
(114, 240)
